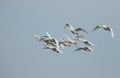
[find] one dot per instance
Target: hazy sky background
(21, 55)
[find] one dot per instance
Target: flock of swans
(54, 45)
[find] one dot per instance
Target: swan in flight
(42, 38)
(64, 42)
(46, 38)
(70, 40)
(67, 42)
(87, 42)
(83, 48)
(105, 28)
(74, 30)
(55, 49)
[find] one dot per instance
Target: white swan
(105, 28)
(55, 49)
(87, 42)
(84, 48)
(74, 30)
(46, 38)
(70, 40)
(64, 42)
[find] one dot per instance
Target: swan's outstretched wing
(77, 49)
(112, 32)
(48, 35)
(47, 46)
(91, 43)
(68, 38)
(80, 29)
(97, 27)
(60, 51)
(37, 37)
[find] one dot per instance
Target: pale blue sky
(21, 55)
